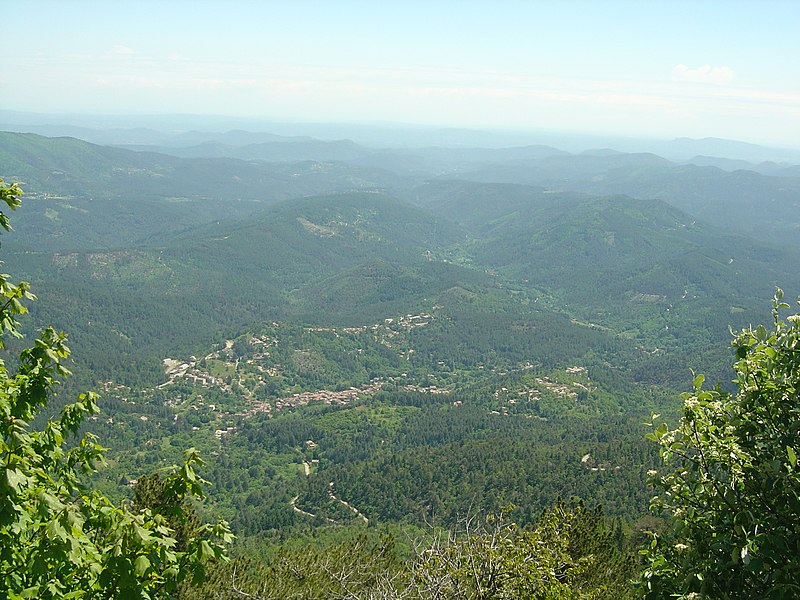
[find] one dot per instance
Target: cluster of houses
(190, 372)
(195, 372)
(328, 396)
(392, 327)
(544, 383)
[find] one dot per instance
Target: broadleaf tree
(732, 483)
(59, 538)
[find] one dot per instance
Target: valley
(362, 345)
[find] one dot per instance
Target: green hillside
(81, 196)
(353, 361)
(225, 276)
(757, 205)
(640, 268)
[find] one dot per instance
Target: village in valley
(258, 373)
(283, 368)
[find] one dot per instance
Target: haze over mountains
(565, 292)
(744, 187)
(550, 220)
(190, 130)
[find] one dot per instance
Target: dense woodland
(395, 362)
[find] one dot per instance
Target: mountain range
(390, 305)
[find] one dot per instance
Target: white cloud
(704, 74)
(122, 50)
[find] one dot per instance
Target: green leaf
(141, 533)
(206, 551)
(698, 381)
(141, 565)
(51, 501)
(56, 531)
(792, 456)
(15, 479)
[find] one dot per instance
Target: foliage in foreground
(734, 487)
(59, 538)
(572, 553)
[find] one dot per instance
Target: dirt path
(297, 509)
(331, 495)
(346, 504)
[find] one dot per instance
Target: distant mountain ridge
(338, 241)
(765, 207)
(117, 197)
(183, 130)
(279, 150)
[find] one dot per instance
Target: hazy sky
(646, 68)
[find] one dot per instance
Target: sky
(643, 68)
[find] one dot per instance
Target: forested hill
(744, 201)
(142, 256)
(604, 249)
(96, 197)
(358, 350)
